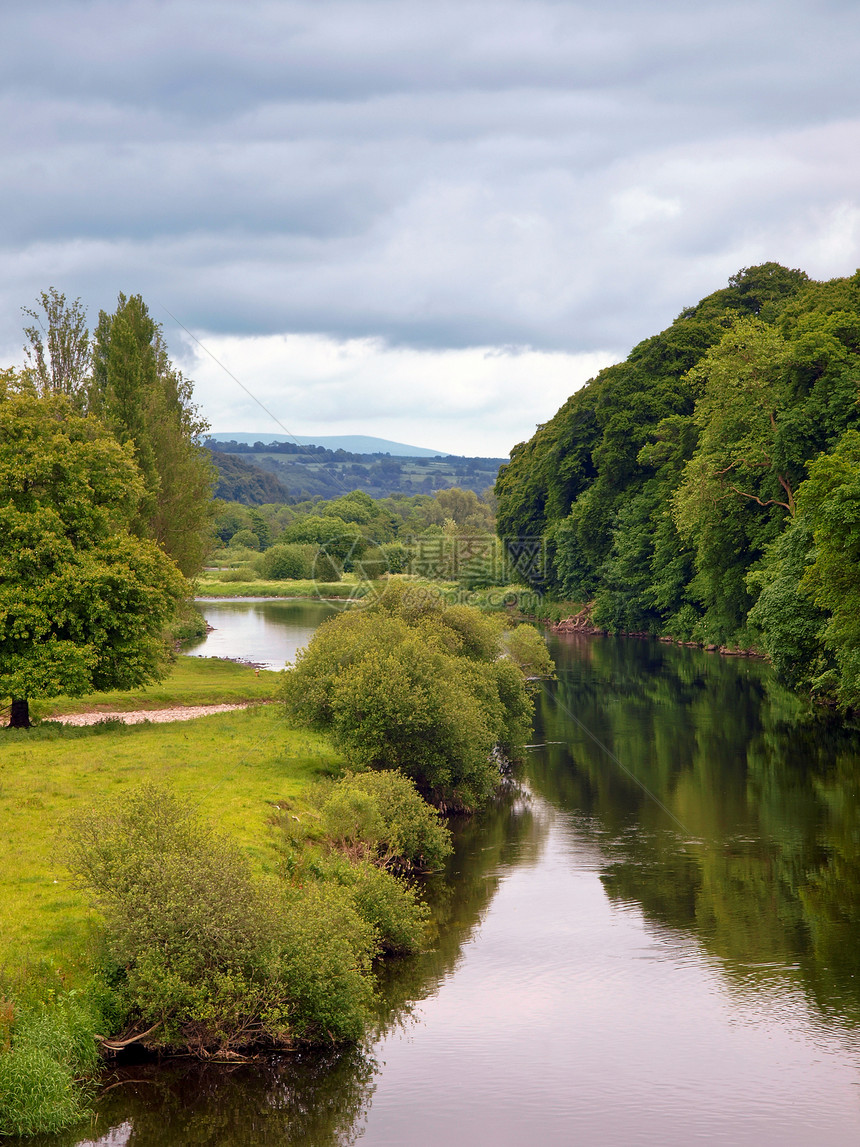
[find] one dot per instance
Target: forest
(708, 487)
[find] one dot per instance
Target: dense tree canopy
(147, 402)
(83, 601)
(661, 490)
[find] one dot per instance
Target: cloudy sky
(429, 221)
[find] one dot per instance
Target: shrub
(527, 649)
(240, 573)
(209, 955)
(326, 568)
(246, 538)
(386, 811)
(408, 683)
(287, 562)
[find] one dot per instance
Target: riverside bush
(385, 811)
(205, 954)
(410, 683)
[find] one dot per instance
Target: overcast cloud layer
(427, 221)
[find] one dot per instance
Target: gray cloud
(459, 174)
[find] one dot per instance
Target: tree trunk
(20, 715)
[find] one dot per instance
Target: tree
(830, 504)
(148, 403)
(83, 601)
(412, 684)
(58, 349)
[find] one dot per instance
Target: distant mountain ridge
(353, 443)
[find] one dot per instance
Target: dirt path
(135, 717)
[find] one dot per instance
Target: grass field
(209, 585)
(236, 767)
(192, 681)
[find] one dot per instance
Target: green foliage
(386, 903)
(52, 1052)
(83, 602)
(207, 955)
(786, 619)
(660, 491)
(527, 649)
(58, 352)
(147, 402)
(409, 683)
(285, 562)
(829, 502)
(385, 812)
(245, 539)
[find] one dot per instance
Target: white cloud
(479, 401)
(397, 174)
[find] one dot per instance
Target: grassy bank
(192, 681)
(236, 767)
(210, 585)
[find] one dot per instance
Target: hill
(313, 471)
(352, 443)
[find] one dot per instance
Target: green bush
(210, 955)
(385, 810)
(240, 573)
(408, 683)
(328, 950)
(326, 568)
(246, 538)
(527, 649)
(389, 905)
(287, 562)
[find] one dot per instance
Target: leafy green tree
(787, 621)
(147, 402)
(58, 348)
(830, 503)
(408, 683)
(83, 601)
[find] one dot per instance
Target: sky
(430, 222)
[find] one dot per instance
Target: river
(653, 940)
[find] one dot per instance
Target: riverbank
(191, 681)
(580, 622)
(210, 586)
(237, 768)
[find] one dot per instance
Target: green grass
(209, 586)
(192, 681)
(236, 767)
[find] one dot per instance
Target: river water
(653, 940)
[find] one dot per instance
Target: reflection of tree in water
(312, 1097)
(767, 868)
(505, 835)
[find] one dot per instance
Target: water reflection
(766, 871)
(267, 633)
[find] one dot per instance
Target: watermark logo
(467, 568)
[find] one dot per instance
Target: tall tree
(58, 347)
(149, 403)
(83, 601)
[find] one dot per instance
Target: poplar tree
(148, 403)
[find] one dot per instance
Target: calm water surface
(655, 941)
(267, 631)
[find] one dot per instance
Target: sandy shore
(135, 717)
